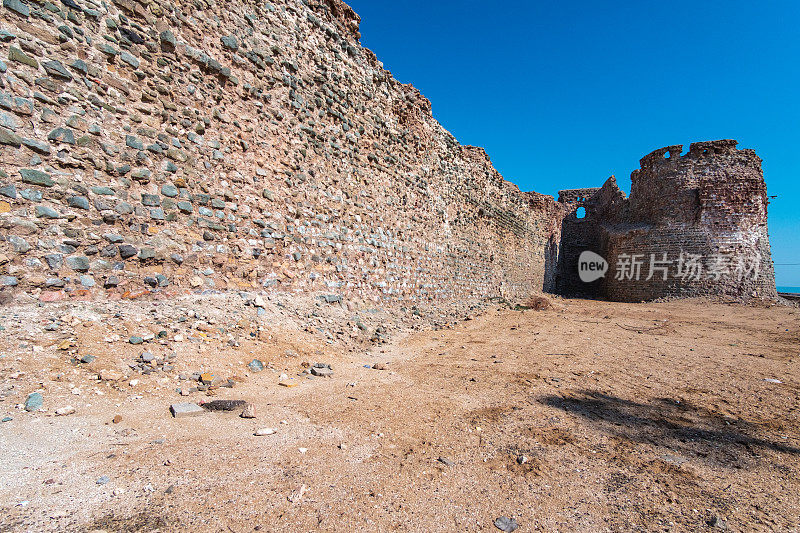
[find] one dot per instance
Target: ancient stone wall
(151, 146)
(163, 146)
(695, 224)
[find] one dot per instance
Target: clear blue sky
(564, 94)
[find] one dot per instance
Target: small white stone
(68, 410)
(302, 450)
(263, 432)
(134, 382)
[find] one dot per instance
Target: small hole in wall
(666, 155)
(581, 212)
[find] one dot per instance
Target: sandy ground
(589, 416)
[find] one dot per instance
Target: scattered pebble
(34, 402)
(506, 524)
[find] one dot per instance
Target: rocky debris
(103, 480)
(263, 432)
(183, 410)
(34, 402)
(249, 411)
(255, 365)
(716, 522)
(148, 363)
(64, 411)
(322, 370)
(506, 524)
(209, 379)
(178, 329)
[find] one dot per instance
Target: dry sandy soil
(588, 416)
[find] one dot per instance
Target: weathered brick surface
(710, 202)
(164, 145)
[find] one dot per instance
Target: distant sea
(795, 290)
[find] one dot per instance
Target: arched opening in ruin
(580, 213)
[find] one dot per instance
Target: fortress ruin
(159, 148)
(695, 224)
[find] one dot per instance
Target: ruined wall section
(161, 146)
(709, 204)
(578, 235)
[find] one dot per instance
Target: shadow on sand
(676, 427)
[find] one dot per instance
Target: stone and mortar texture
(709, 203)
(240, 145)
(170, 146)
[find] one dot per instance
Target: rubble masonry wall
(163, 146)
